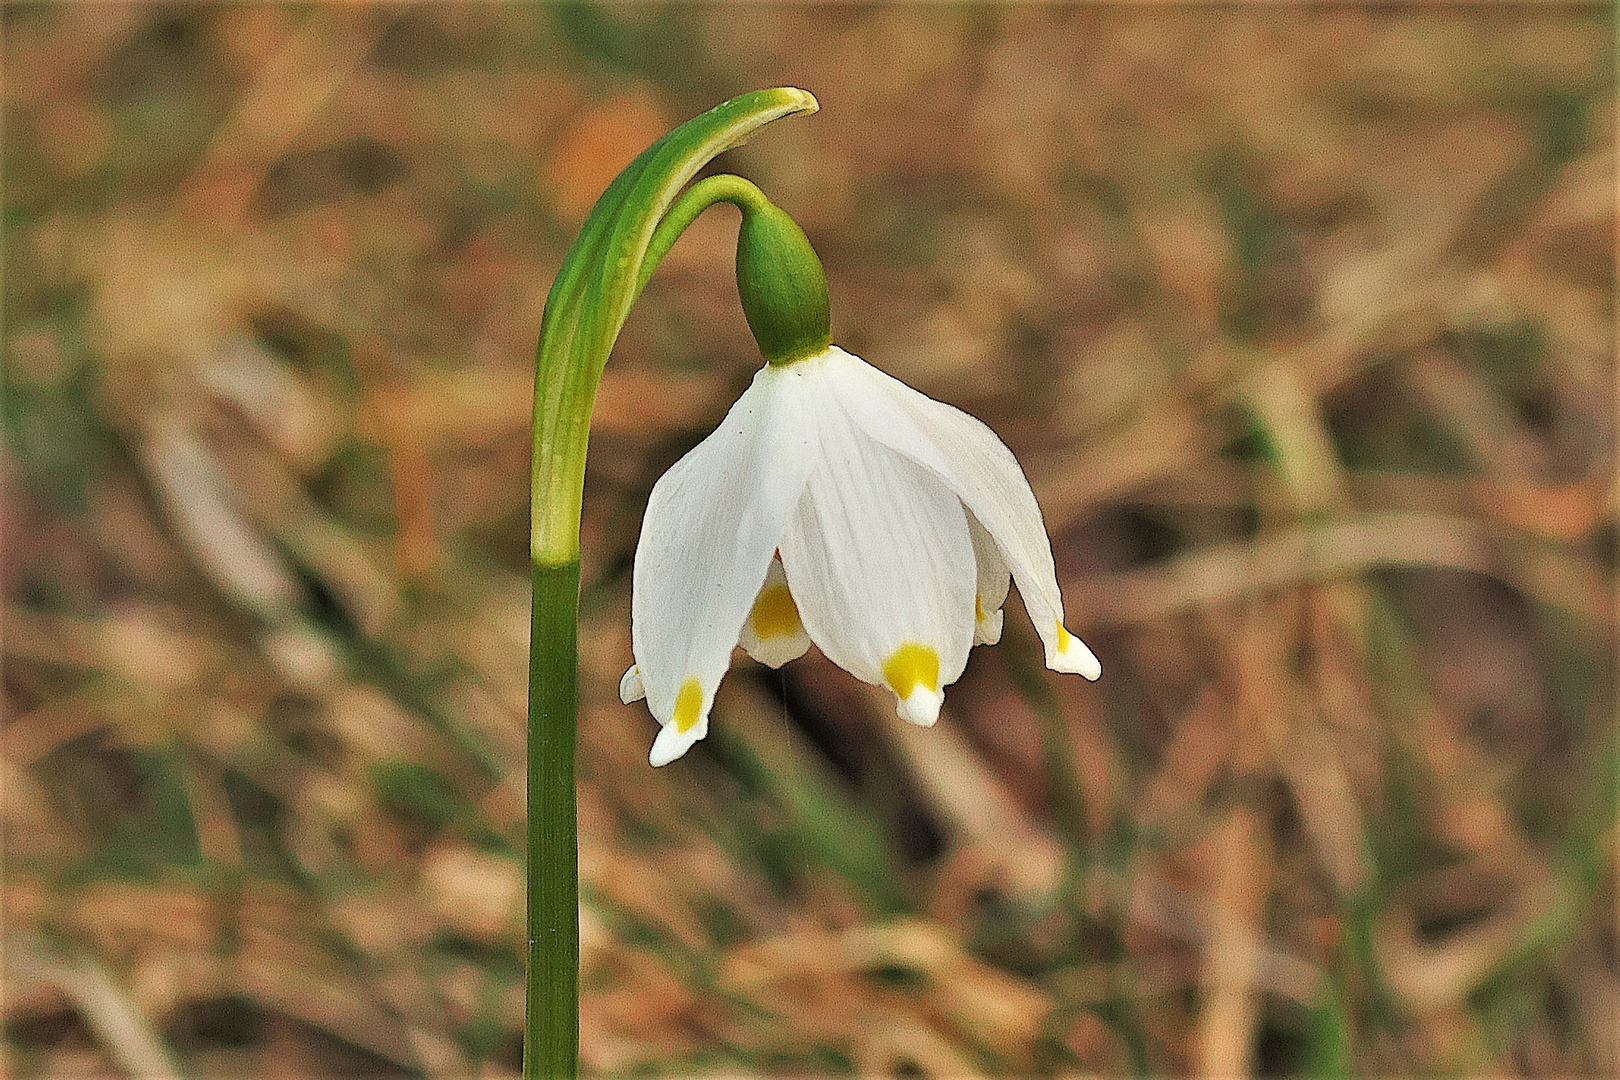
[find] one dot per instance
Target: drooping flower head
(833, 506)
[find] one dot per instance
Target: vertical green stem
(551, 1038)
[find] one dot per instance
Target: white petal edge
(711, 527)
(973, 462)
(1075, 657)
(671, 742)
(879, 560)
(921, 706)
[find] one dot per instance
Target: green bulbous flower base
(782, 286)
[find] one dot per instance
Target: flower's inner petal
(987, 627)
(631, 688)
(775, 614)
(973, 462)
(712, 525)
(773, 633)
(994, 581)
(879, 560)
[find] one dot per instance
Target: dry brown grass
(1301, 321)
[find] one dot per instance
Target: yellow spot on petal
(775, 614)
(978, 608)
(1063, 637)
(687, 704)
(911, 666)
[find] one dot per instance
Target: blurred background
(1300, 321)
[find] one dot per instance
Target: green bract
(600, 278)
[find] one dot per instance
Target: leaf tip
(803, 100)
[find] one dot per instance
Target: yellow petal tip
(912, 672)
(775, 614)
(688, 704)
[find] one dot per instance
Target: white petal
(631, 689)
(772, 633)
(975, 464)
(712, 524)
(993, 583)
(880, 563)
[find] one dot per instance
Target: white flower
(836, 505)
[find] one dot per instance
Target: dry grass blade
(208, 517)
(124, 1033)
(290, 87)
(1232, 962)
(1335, 550)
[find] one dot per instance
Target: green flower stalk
(629, 230)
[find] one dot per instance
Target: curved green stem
(628, 231)
(693, 201)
